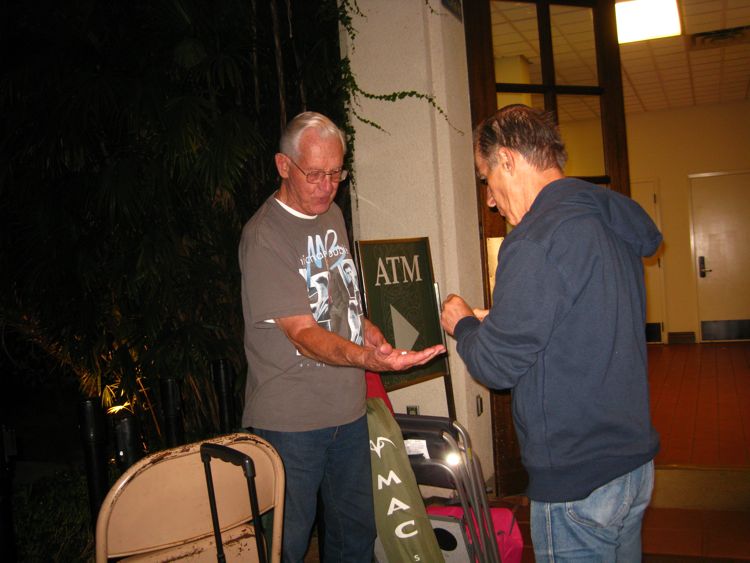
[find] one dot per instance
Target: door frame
(662, 261)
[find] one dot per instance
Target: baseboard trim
(726, 330)
(681, 338)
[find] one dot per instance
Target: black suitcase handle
(230, 455)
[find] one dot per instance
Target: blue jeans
(334, 462)
(603, 527)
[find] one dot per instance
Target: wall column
(415, 177)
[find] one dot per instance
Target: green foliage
(346, 9)
(354, 91)
(52, 519)
(137, 139)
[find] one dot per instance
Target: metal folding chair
(446, 460)
(159, 509)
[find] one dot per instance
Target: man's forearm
(319, 344)
(328, 347)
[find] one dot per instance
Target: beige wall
(415, 177)
(666, 147)
(583, 140)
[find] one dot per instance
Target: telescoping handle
(230, 455)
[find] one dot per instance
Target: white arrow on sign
(404, 334)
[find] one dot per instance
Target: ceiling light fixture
(638, 20)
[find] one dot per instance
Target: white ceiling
(658, 74)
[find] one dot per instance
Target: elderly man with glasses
(305, 390)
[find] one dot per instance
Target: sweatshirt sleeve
(528, 299)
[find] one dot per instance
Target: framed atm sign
(401, 298)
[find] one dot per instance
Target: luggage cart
(441, 455)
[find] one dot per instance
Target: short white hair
(289, 142)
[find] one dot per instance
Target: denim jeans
(334, 462)
(604, 527)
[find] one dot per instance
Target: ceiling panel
(657, 74)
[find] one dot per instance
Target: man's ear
(282, 164)
(506, 160)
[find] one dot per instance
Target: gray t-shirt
(296, 265)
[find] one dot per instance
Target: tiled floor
(697, 533)
(699, 401)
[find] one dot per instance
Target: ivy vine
(347, 9)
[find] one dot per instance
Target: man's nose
(326, 184)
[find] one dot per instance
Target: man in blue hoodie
(566, 332)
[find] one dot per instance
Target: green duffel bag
(404, 530)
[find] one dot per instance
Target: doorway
(720, 231)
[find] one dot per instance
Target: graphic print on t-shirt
(332, 286)
(317, 292)
(354, 311)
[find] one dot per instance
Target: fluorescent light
(638, 20)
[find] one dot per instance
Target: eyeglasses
(316, 176)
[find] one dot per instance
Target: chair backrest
(429, 429)
(162, 500)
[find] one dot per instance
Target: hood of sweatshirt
(619, 213)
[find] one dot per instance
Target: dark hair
(531, 132)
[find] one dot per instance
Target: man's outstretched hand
(387, 358)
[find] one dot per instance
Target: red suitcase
(507, 533)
